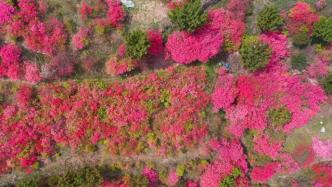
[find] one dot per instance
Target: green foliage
(180, 169)
(327, 84)
(189, 16)
(137, 44)
(138, 180)
(323, 30)
(280, 116)
(165, 98)
(30, 181)
(299, 61)
(87, 177)
(230, 180)
(255, 54)
(301, 39)
(269, 19)
(102, 113)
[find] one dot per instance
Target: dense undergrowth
(218, 111)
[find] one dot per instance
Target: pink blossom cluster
(6, 13)
(173, 178)
(265, 146)
(85, 10)
(116, 66)
(262, 174)
(10, 66)
(230, 156)
(80, 39)
(156, 42)
(225, 91)
(301, 16)
(322, 148)
(279, 45)
(32, 72)
(116, 14)
(238, 8)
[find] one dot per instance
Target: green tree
(269, 19)
(137, 44)
(280, 116)
(255, 54)
(189, 16)
(323, 30)
(327, 84)
(299, 61)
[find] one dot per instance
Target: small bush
(88, 177)
(323, 30)
(327, 84)
(30, 181)
(189, 16)
(230, 180)
(137, 44)
(255, 54)
(269, 19)
(299, 62)
(301, 39)
(280, 116)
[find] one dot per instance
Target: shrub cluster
(255, 54)
(269, 19)
(188, 17)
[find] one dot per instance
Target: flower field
(92, 95)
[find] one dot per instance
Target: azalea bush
(269, 19)
(255, 54)
(188, 17)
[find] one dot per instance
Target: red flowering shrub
(46, 37)
(23, 96)
(156, 42)
(238, 8)
(279, 45)
(230, 27)
(225, 90)
(322, 148)
(301, 17)
(6, 12)
(10, 53)
(116, 14)
(265, 146)
(10, 66)
(203, 44)
(259, 93)
(264, 173)
(323, 174)
(85, 10)
(32, 73)
(230, 156)
(116, 66)
(121, 52)
(80, 39)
